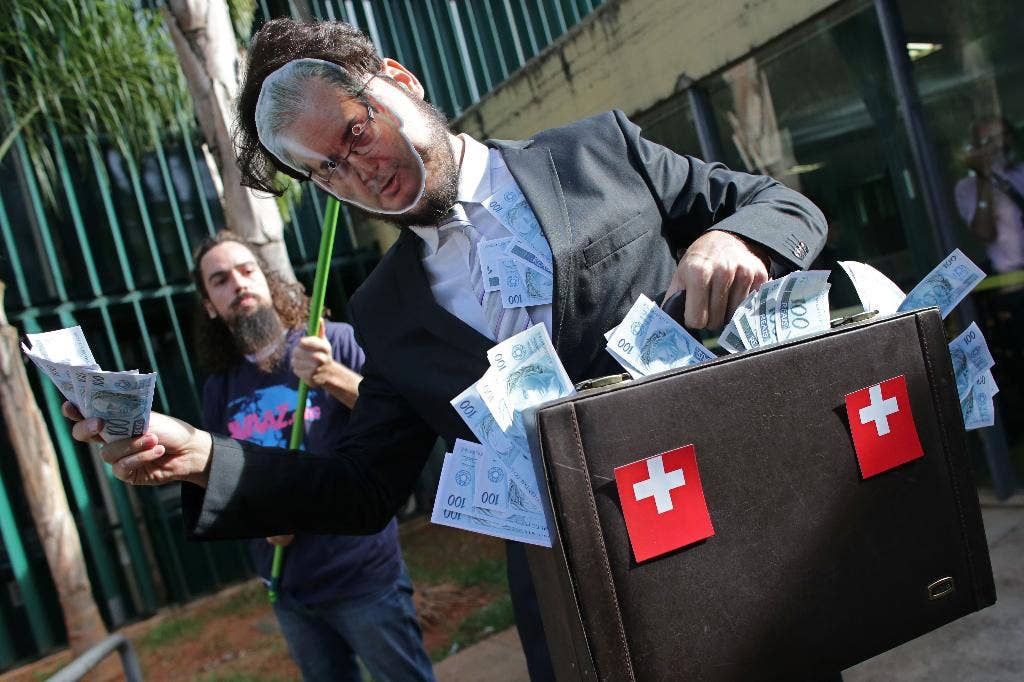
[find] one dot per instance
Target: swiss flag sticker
(882, 425)
(663, 502)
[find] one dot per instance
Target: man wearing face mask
(616, 214)
(341, 596)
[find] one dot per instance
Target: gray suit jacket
(615, 209)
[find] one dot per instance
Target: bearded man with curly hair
(341, 597)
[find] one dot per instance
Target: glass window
(816, 109)
(671, 124)
(969, 69)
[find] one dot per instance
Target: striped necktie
(503, 322)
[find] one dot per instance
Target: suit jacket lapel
(418, 304)
(534, 171)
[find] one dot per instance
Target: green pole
(316, 309)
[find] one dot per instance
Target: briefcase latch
(852, 319)
(941, 587)
(601, 382)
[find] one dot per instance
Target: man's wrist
(202, 449)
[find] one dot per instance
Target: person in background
(341, 596)
(991, 199)
(991, 202)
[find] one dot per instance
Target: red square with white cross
(882, 425)
(663, 502)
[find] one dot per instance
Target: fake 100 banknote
(648, 341)
(123, 400)
(456, 505)
(946, 285)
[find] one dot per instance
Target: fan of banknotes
(520, 266)
(944, 287)
(491, 487)
(780, 310)
(649, 341)
(123, 400)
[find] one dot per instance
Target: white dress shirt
(446, 261)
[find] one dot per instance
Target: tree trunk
(48, 502)
(204, 40)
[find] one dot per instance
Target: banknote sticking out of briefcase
(781, 513)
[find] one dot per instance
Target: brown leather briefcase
(811, 567)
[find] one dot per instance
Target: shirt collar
(474, 186)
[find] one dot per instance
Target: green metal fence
(115, 257)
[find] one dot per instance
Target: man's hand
(313, 362)
(280, 540)
(312, 358)
(170, 451)
(717, 272)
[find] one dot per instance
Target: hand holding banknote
(170, 450)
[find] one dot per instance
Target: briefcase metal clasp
(852, 319)
(601, 382)
(941, 587)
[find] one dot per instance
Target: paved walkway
(987, 646)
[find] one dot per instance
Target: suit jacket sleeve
(702, 196)
(255, 491)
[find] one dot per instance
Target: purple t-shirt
(247, 404)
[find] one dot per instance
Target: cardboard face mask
(321, 121)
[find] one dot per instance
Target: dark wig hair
(274, 45)
(216, 349)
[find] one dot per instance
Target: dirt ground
(233, 635)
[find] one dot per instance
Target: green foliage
(288, 203)
(80, 69)
(242, 13)
(170, 630)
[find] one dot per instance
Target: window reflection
(817, 111)
(973, 98)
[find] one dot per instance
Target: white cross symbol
(879, 410)
(659, 485)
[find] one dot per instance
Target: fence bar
(426, 73)
(528, 23)
(147, 224)
(442, 52)
(514, 31)
(186, 142)
(172, 194)
(467, 64)
(371, 24)
(38, 623)
(485, 63)
(496, 40)
(12, 255)
(103, 180)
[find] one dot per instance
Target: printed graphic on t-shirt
(265, 416)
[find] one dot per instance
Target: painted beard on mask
(257, 331)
